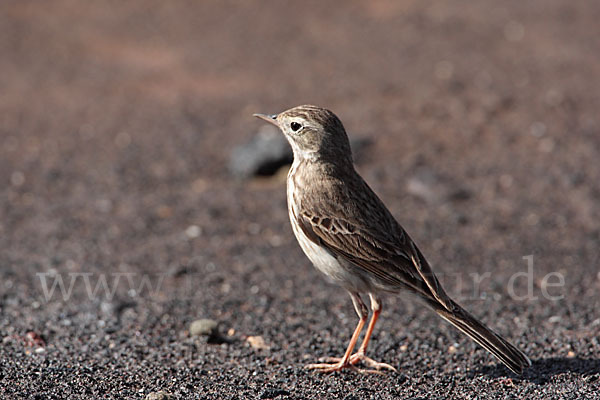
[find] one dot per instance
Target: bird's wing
(392, 257)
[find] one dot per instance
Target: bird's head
(313, 132)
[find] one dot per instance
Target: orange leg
(340, 363)
(363, 347)
(360, 355)
(349, 359)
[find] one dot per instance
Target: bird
(350, 236)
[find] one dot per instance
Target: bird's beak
(269, 118)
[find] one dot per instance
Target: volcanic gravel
(117, 123)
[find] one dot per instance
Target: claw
(328, 368)
(337, 364)
(355, 358)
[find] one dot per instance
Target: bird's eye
(295, 126)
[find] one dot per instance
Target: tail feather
(510, 356)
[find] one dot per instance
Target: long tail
(512, 357)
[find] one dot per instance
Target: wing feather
(350, 221)
(394, 266)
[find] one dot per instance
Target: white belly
(321, 258)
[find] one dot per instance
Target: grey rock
(204, 327)
(273, 393)
(264, 154)
(159, 396)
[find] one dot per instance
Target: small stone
(420, 189)
(272, 393)
(403, 347)
(275, 240)
(34, 339)
(193, 231)
(537, 129)
(204, 327)
(257, 342)
(451, 349)
(424, 185)
(159, 396)
(104, 205)
(507, 382)
(17, 178)
(571, 354)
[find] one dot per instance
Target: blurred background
(119, 126)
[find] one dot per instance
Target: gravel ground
(117, 121)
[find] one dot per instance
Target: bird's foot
(331, 367)
(337, 364)
(358, 357)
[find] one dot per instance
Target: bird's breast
(336, 270)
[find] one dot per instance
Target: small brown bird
(351, 237)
